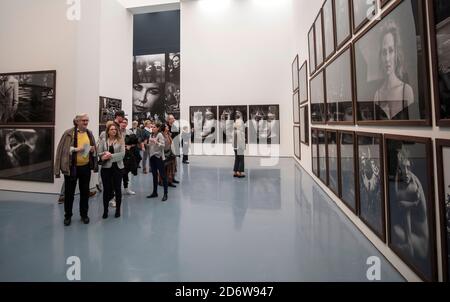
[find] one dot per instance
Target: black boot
(105, 214)
(164, 197)
(117, 215)
(154, 195)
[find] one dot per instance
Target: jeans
(83, 176)
(157, 165)
(112, 185)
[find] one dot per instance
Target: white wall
(36, 35)
(305, 11)
(238, 52)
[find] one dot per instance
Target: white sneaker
(129, 192)
(112, 203)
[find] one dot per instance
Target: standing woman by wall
(239, 145)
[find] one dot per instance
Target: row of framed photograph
(379, 75)
(389, 185)
(301, 131)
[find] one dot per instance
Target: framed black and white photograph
(297, 149)
(150, 68)
(328, 28)
(443, 160)
(295, 74)
(322, 153)
(318, 105)
(27, 154)
(28, 98)
(363, 12)
(101, 128)
(108, 108)
(318, 28)
(315, 151)
(228, 115)
(339, 89)
(342, 17)
(264, 124)
(203, 120)
(391, 68)
(410, 187)
(347, 168)
(303, 83)
(371, 182)
(172, 99)
(296, 107)
(332, 161)
(440, 45)
(304, 125)
(173, 67)
(311, 50)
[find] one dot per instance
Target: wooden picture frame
(328, 8)
(444, 204)
(333, 186)
(368, 113)
(312, 50)
(370, 210)
(296, 107)
(406, 173)
(319, 41)
(303, 83)
(343, 195)
(438, 101)
(315, 152)
(339, 22)
(322, 155)
(318, 109)
(304, 125)
(297, 145)
(359, 24)
(295, 82)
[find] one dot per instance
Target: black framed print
(228, 115)
(342, 17)
(322, 153)
(28, 98)
(371, 182)
(443, 160)
(391, 68)
(264, 124)
(328, 28)
(318, 105)
(314, 151)
(295, 74)
(304, 125)
(440, 47)
(339, 89)
(297, 149)
(296, 107)
(318, 28)
(303, 85)
(108, 108)
(347, 179)
(203, 120)
(27, 154)
(363, 12)
(312, 50)
(410, 193)
(332, 161)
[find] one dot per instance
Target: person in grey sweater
(111, 151)
(156, 144)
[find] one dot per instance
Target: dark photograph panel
(409, 199)
(173, 68)
(322, 153)
(318, 114)
(297, 142)
(228, 116)
(27, 98)
(303, 83)
(332, 156)
(27, 154)
(370, 173)
(264, 124)
(314, 152)
(296, 107)
(363, 12)
(203, 121)
(441, 10)
(312, 51)
(319, 39)
(295, 74)
(443, 151)
(347, 162)
(172, 99)
(342, 16)
(108, 108)
(328, 27)
(339, 89)
(304, 125)
(391, 72)
(150, 68)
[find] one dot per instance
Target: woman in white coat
(239, 145)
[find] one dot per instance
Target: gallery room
(224, 141)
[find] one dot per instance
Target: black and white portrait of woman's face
(388, 54)
(145, 95)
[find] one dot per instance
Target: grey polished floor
(275, 225)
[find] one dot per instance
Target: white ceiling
(150, 6)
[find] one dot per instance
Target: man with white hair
(75, 159)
